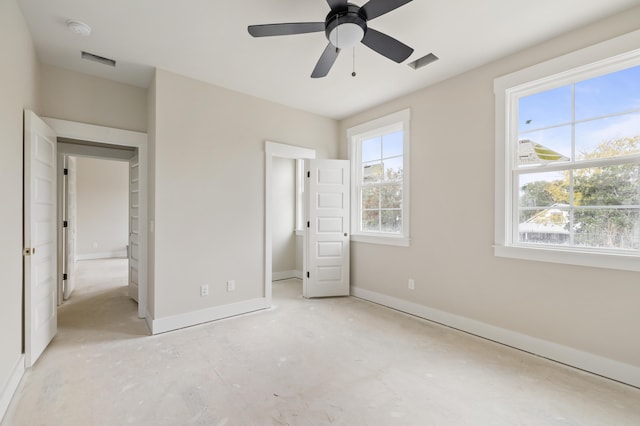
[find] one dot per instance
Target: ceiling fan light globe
(346, 35)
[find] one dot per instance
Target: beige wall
(284, 214)
(102, 208)
(209, 188)
(452, 223)
(69, 95)
(18, 84)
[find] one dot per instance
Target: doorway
(42, 224)
(273, 152)
(93, 204)
(79, 139)
(287, 231)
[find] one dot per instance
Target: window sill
(624, 262)
(376, 239)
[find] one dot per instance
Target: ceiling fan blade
(375, 8)
(268, 30)
(386, 45)
(337, 4)
(326, 61)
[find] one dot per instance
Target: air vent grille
(99, 59)
(424, 61)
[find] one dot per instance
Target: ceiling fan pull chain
(353, 74)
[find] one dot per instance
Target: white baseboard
(286, 275)
(103, 255)
(175, 322)
(11, 386)
(606, 367)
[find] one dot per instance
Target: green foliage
(617, 186)
(382, 201)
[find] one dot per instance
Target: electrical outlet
(204, 290)
(231, 285)
(412, 284)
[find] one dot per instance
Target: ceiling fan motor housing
(346, 27)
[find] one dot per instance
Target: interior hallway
(303, 362)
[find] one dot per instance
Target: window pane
(607, 228)
(608, 137)
(371, 149)
(391, 197)
(372, 172)
(391, 221)
(370, 198)
(393, 168)
(539, 191)
(544, 109)
(371, 220)
(546, 226)
(607, 186)
(608, 94)
(544, 208)
(544, 146)
(392, 144)
(601, 210)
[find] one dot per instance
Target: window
(380, 180)
(568, 184)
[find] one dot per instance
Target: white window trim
(610, 54)
(403, 118)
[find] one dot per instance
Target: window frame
(355, 135)
(603, 58)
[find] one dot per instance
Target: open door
(134, 226)
(327, 236)
(40, 236)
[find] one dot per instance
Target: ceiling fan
(344, 26)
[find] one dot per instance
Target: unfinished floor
(303, 362)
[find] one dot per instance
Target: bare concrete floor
(304, 362)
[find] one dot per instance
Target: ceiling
(208, 40)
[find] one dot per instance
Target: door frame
(274, 149)
(118, 137)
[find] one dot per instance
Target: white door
(327, 246)
(134, 226)
(40, 236)
(70, 230)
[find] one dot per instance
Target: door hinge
(64, 277)
(65, 224)
(308, 174)
(66, 172)
(308, 224)
(308, 276)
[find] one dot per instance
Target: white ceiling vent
(99, 59)
(424, 61)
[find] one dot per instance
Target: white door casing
(328, 229)
(71, 229)
(107, 136)
(134, 227)
(40, 236)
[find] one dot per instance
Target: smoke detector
(79, 28)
